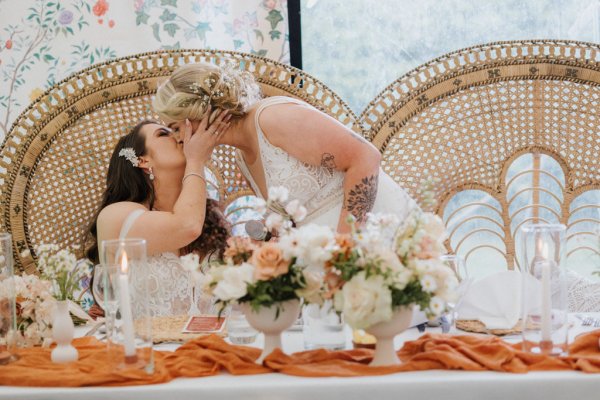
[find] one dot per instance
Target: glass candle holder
(125, 262)
(544, 289)
(8, 316)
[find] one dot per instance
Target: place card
(204, 324)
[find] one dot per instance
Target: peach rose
(269, 262)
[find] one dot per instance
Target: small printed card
(204, 324)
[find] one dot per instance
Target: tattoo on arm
(361, 198)
(328, 162)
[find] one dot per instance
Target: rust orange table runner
(210, 355)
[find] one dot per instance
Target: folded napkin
(496, 300)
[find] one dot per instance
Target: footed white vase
(384, 332)
(264, 320)
(63, 330)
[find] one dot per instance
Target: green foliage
(274, 17)
(277, 290)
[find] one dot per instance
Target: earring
(151, 174)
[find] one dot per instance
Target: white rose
(364, 302)
(234, 283)
(274, 222)
(278, 194)
(295, 210)
(311, 293)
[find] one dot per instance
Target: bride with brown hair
(282, 141)
(156, 190)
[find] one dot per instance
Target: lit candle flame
(124, 266)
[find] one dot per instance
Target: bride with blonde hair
(283, 141)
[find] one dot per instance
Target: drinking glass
(545, 322)
(8, 316)
(104, 291)
(458, 266)
(125, 260)
(239, 330)
(322, 327)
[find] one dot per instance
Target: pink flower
(111, 23)
(138, 5)
(270, 4)
(100, 8)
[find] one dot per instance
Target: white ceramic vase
(265, 320)
(384, 332)
(63, 330)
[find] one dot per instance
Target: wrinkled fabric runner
(211, 355)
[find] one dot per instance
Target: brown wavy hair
(125, 183)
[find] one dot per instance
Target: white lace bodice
(584, 294)
(169, 285)
(316, 187)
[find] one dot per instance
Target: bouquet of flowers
(268, 273)
(382, 267)
(62, 269)
(35, 307)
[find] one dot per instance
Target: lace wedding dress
(319, 189)
(169, 284)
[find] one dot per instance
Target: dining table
(431, 384)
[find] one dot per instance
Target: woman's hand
(198, 146)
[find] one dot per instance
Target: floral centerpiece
(62, 269)
(35, 306)
(270, 279)
(381, 271)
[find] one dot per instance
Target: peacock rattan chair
(53, 161)
(510, 134)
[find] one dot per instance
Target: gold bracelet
(193, 174)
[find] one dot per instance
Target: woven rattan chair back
(509, 132)
(53, 162)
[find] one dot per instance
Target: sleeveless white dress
(319, 189)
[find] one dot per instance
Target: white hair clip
(129, 154)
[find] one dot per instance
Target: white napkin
(496, 300)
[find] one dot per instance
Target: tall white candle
(546, 317)
(125, 306)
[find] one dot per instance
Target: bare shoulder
(282, 119)
(111, 217)
(122, 208)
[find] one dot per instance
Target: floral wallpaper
(44, 41)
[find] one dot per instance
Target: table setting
(403, 316)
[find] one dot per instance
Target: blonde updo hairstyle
(193, 88)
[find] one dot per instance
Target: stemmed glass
(104, 290)
(457, 265)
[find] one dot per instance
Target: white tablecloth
(447, 385)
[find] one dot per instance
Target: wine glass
(458, 266)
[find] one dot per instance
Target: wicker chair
(510, 132)
(53, 161)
